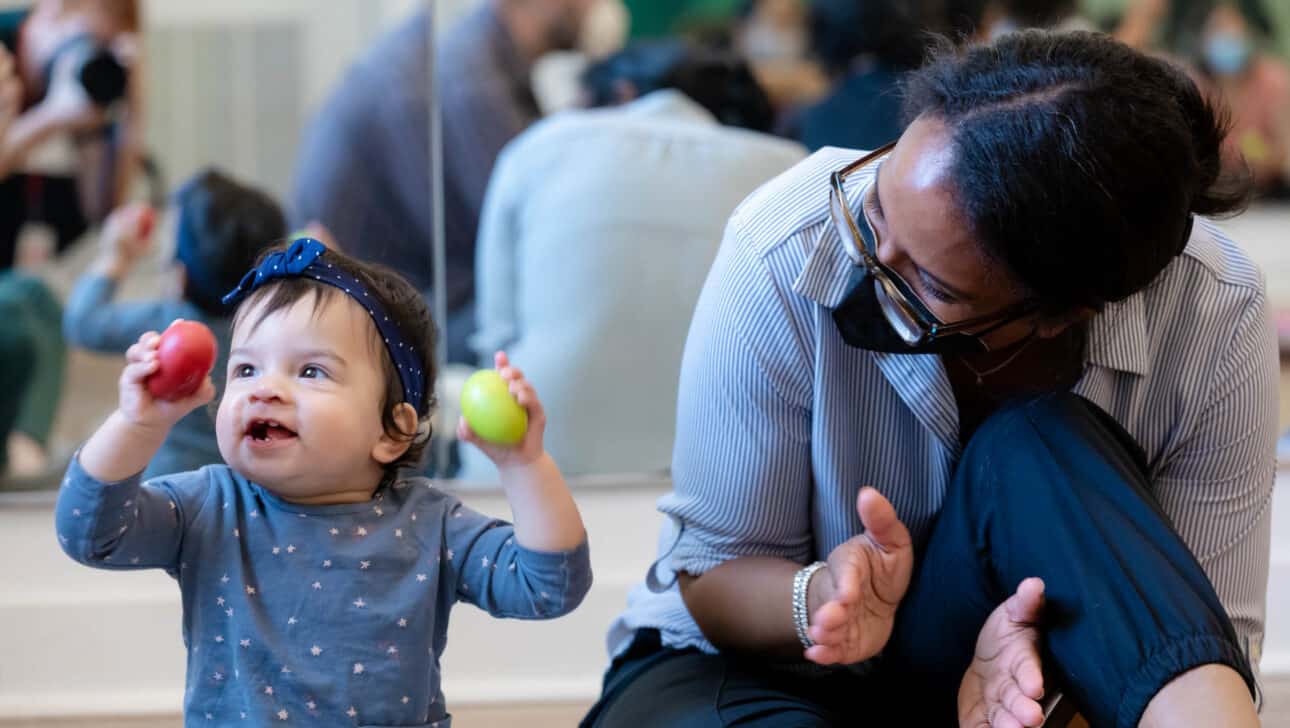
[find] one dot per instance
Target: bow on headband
(304, 259)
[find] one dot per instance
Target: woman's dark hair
(1078, 161)
(717, 80)
(401, 301)
(222, 228)
(889, 31)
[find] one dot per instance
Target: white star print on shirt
(398, 533)
(421, 577)
(282, 714)
(219, 601)
(406, 699)
(378, 510)
(450, 554)
(223, 579)
(315, 650)
(219, 638)
(311, 705)
(217, 676)
(250, 590)
(358, 668)
(291, 620)
(291, 549)
(351, 712)
(268, 689)
(229, 611)
(317, 585)
(364, 564)
(392, 651)
(360, 603)
(327, 564)
(403, 622)
(361, 531)
(245, 643)
(334, 532)
(277, 550)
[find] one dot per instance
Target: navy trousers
(1053, 488)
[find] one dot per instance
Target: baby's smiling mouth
(266, 430)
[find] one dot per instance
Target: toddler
(317, 574)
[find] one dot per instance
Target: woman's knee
(1026, 449)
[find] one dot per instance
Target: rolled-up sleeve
(1217, 488)
(741, 464)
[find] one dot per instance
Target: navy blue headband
(304, 260)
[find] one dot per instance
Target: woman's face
(923, 236)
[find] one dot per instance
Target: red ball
(185, 356)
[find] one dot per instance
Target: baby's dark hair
(404, 305)
(223, 227)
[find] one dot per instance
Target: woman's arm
(1216, 487)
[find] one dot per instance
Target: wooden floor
(1276, 714)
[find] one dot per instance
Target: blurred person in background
(598, 230)
(775, 38)
(221, 227)
(363, 168)
(72, 154)
(866, 46)
(1137, 26)
(31, 348)
(1256, 86)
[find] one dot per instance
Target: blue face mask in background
(1227, 53)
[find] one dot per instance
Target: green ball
(491, 411)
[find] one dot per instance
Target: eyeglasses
(912, 320)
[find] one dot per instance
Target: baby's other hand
(127, 234)
(138, 405)
(530, 448)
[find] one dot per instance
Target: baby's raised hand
(127, 233)
(138, 405)
(530, 448)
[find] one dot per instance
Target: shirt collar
(670, 103)
(1117, 337)
(829, 259)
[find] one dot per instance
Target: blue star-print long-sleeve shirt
(316, 615)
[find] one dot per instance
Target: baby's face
(301, 410)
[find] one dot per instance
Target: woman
(1013, 328)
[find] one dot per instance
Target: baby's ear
(392, 446)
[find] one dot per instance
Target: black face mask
(862, 324)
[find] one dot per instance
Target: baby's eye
(312, 372)
(243, 370)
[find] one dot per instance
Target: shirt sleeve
(493, 572)
(1217, 487)
(126, 524)
(741, 465)
(92, 321)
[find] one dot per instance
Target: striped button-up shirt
(780, 423)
